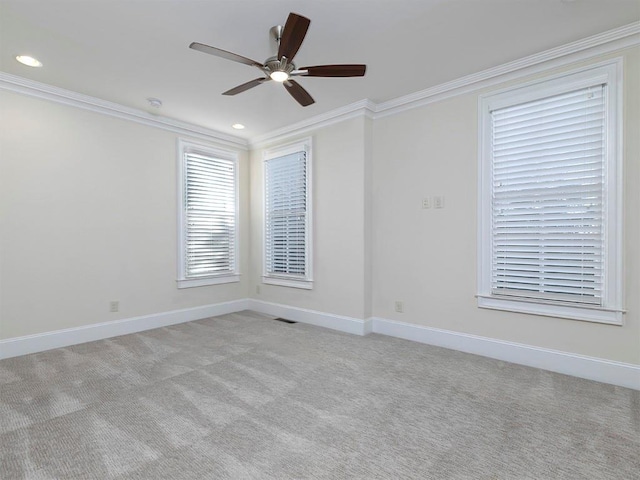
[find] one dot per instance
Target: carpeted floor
(243, 396)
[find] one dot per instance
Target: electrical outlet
(426, 202)
(399, 306)
(114, 306)
(258, 289)
(438, 202)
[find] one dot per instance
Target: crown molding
(600, 44)
(32, 88)
(364, 108)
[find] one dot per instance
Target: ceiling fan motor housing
(272, 64)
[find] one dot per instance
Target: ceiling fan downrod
(276, 34)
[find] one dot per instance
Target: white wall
(339, 163)
(88, 215)
(428, 259)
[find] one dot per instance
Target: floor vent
(284, 320)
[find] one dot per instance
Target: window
(287, 228)
(550, 197)
(208, 218)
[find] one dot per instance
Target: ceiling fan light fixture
(279, 76)
(29, 61)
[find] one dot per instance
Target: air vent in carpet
(284, 320)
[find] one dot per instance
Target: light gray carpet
(242, 396)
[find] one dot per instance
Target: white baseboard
(14, 347)
(368, 326)
(591, 368)
(342, 323)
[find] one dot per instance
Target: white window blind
(209, 216)
(548, 198)
(287, 215)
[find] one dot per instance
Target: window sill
(583, 313)
(288, 282)
(202, 282)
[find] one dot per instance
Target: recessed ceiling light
(29, 61)
(238, 126)
(154, 102)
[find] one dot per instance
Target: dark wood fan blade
(201, 47)
(335, 71)
(299, 93)
(292, 35)
(245, 86)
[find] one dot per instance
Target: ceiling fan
(281, 68)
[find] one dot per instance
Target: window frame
(233, 275)
(611, 311)
(288, 280)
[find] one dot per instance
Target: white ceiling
(127, 50)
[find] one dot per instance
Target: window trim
(283, 280)
(184, 146)
(611, 312)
